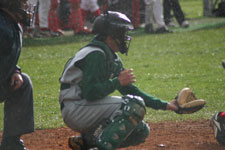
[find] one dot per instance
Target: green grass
(163, 65)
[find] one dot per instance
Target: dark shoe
(12, 143)
(149, 28)
(162, 30)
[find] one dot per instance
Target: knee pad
(133, 111)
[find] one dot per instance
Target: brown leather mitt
(187, 102)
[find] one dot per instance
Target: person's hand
(172, 106)
(16, 81)
(126, 77)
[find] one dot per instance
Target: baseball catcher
(218, 123)
(187, 102)
(105, 122)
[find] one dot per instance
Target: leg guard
(133, 111)
(138, 136)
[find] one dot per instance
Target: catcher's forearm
(172, 106)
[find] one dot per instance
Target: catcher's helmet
(116, 25)
(20, 9)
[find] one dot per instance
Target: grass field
(163, 65)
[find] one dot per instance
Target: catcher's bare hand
(16, 81)
(172, 105)
(126, 77)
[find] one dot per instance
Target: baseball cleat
(218, 124)
(76, 143)
(215, 124)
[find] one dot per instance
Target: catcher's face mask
(124, 41)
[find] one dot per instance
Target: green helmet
(116, 25)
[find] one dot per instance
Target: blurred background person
(76, 20)
(90, 6)
(41, 20)
(43, 9)
(154, 15)
(63, 13)
(174, 6)
(53, 19)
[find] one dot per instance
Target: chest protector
(72, 75)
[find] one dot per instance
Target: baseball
(223, 63)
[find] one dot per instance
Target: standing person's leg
(136, 13)
(44, 6)
(89, 5)
(53, 20)
(84, 6)
(149, 16)
(43, 9)
(158, 13)
(18, 114)
(94, 8)
(166, 11)
(158, 17)
(178, 13)
(75, 18)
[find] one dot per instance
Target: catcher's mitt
(187, 103)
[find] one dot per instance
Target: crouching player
(105, 122)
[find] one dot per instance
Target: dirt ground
(187, 135)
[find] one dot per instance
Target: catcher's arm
(172, 106)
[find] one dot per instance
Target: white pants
(44, 6)
(89, 5)
(33, 2)
(154, 12)
(83, 115)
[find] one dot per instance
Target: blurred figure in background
(53, 19)
(89, 6)
(136, 13)
(76, 20)
(174, 5)
(63, 13)
(43, 9)
(154, 15)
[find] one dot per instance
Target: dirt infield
(187, 135)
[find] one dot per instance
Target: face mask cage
(124, 42)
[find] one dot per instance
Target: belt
(62, 106)
(64, 86)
